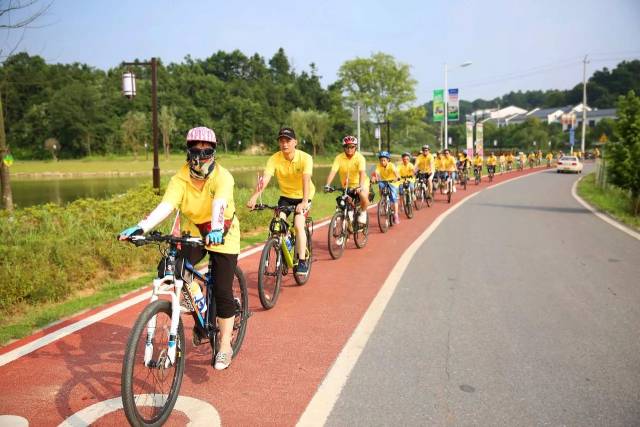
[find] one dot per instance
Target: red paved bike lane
(287, 351)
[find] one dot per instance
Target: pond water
(29, 192)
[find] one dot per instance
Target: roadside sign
(453, 105)
(438, 105)
(572, 137)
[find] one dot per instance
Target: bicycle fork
(160, 287)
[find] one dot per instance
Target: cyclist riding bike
(549, 158)
(492, 161)
(388, 175)
(477, 164)
(293, 169)
(523, 160)
(449, 164)
(502, 161)
(532, 159)
(510, 159)
(203, 191)
(464, 164)
(425, 164)
(351, 166)
(406, 170)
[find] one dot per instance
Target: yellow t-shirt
(425, 163)
(387, 173)
(502, 159)
(549, 156)
(510, 158)
(289, 173)
(492, 161)
(350, 168)
(195, 204)
(407, 170)
(523, 158)
(532, 156)
(449, 163)
(438, 163)
(477, 161)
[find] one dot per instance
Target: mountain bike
(521, 165)
(445, 183)
(477, 174)
(154, 358)
(345, 222)
(491, 171)
(279, 254)
(532, 163)
(386, 209)
(423, 195)
(463, 175)
(407, 196)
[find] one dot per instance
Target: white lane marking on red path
(321, 405)
(74, 327)
(600, 215)
(13, 421)
(199, 412)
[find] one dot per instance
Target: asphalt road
(522, 308)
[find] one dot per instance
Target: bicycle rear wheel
(269, 273)
(361, 232)
(149, 391)
(301, 280)
(337, 235)
(383, 219)
(419, 195)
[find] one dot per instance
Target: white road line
(600, 215)
(68, 330)
(321, 405)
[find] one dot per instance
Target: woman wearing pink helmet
(203, 191)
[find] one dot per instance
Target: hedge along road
(287, 352)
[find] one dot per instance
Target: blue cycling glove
(131, 231)
(214, 237)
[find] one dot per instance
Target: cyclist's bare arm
(252, 200)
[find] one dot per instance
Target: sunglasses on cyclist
(202, 153)
(349, 147)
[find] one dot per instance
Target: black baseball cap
(286, 133)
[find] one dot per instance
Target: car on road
(569, 164)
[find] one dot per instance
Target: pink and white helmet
(201, 134)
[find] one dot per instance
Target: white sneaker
(362, 217)
(446, 190)
(223, 360)
(454, 188)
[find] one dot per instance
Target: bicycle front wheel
(407, 205)
(150, 390)
(337, 235)
(269, 274)
(241, 298)
(419, 197)
(383, 219)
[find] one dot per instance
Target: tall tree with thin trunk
(6, 9)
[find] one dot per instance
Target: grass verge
(59, 261)
(612, 200)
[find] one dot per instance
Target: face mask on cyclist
(201, 162)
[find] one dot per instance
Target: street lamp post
(446, 102)
(129, 90)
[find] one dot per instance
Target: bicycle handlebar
(156, 236)
(285, 209)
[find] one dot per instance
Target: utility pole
(358, 118)
(584, 101)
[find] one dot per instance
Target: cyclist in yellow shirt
(477, 165)
(351, 166)
(386, 174)
(510, 159)
(406, 170)
(492, 161)
(202, 191)
(449, 164)
(523, 160)
(532, 159)
(549, 157)
(425, 165)
(502, 161)
(293, 169)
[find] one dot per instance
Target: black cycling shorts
(288, 201)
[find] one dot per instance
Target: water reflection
(31, 192)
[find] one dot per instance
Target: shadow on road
(555, 209)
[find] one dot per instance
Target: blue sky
(512, 44)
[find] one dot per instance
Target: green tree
(134, 130)
(378, 83)
(311, 126)
(167, 124)
(624, 155)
